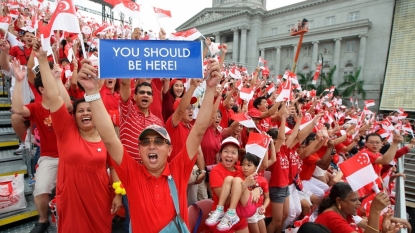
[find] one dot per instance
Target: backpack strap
(173, 192)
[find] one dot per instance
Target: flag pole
(260, 162)
(81, 40)
(5, 34)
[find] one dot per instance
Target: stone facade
(347, 33)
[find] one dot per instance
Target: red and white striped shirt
(132, 123)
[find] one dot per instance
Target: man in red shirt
(135, 116)
(147, 185)
(39, 114)
(22, 53)
(266, 115)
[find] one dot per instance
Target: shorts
(246, 211)
(318, 172)
(45, 175)
(256, 217)
(278, 195)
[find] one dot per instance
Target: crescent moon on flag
(133, 6)
(366, 160)
(66, 5)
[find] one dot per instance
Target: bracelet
(118, 188)
(372, 228)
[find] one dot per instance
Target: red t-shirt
(226, 116)
(211, 145)
(110, 100)
(76, 94)
(280, 169)
(294, 163)
(132, 123)
(178, 135)
(167, 105)
(155, 107)
(263, 183)
(21, 55)
(308, 166)
(336, 223)
(41, 117)
(150, 195)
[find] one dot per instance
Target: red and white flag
(239, 84)
(408, 128)
(191, 34)
(317, 73)
(243, 119)
(284, 91)
(400, 111)
(306, 120)
(214, 48)
(261, 62)
(403, 115)
(4, 23)
(129, 8)
(246, 93)
(369, 103)
(14, 14)
(257, 144)
(358, 171)
(367, 111)
(235, 73)
(63, 18)
(161, 13)
(270, 89)
(103, 29)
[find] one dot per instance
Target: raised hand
(57, 71)
(88, 77)
(214, 75)
(162, 34)
(38, 50)
(19, 71)
(4, 45)
(224, 48)
(397, 138)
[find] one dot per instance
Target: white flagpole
(260, 162)
(81, 40)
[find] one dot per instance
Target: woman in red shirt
(337, 209)
(176, 91)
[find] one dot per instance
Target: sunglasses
(157, 142)
(145, 92)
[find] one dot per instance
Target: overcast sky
(182, 10)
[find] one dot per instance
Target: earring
(340, 207)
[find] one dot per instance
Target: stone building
(346, 33)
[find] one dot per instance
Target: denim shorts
(278, 194)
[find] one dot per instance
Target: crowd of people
(156, 146)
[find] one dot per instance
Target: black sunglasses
(157, 142)
(145, 92)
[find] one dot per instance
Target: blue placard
(150, 59)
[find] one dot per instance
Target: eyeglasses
(375, 143)
(149, 93)
(156, 141)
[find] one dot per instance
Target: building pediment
(211, 15)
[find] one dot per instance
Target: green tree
(305, 80)
(326, 82)
(353, 85)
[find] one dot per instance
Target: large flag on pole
(64, 18)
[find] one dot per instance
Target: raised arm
(184, 103)
(125, 89)
(52, 91)
(4, 55)
(390, 154)
(57, 71)
(203, 118)
(17, 97)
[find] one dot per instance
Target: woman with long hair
(175, 92)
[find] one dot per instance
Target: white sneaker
(214, 218)
(20, 150)
(227, 222)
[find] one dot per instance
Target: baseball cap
(254, 113)
(177, 102)
(230, 140)
(155, 128)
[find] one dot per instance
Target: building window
(310, 24)
(290, 53)
(348, 73)
(289, 27)
(326, 50)
(349, 64)
(307, 51)
(330, 20)
(353, 16)
(229, 39)
(351, 46)
(274, 31)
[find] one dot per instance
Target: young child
(241, 201)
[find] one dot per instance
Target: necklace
(335, 208)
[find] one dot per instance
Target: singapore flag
(358, 171)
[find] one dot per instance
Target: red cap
(177, 102)
(173, 81)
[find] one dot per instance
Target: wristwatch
(89, 98)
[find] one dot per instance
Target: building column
(277, 62)
(244, 31)
(262, 53)
(217, 37)
(337, 51)
(235, 44)
(315, 54)
(362, 52)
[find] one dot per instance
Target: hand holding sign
(88, 76)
